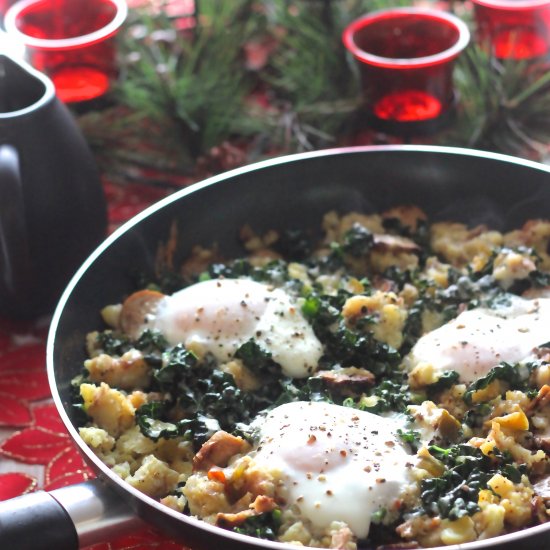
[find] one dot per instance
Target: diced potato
(110, 409)
(128, 372)
(154, 477)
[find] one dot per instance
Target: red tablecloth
(35, 450)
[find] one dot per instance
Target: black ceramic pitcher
(52, 207)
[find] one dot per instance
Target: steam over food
(389, 384)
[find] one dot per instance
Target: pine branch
(177, 97)
(504, 107)
(184, 101)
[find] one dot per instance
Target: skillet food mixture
(388, 384)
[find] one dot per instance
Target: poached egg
(337, 463)
(479, 339)
(219, 315)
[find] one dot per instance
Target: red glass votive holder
(406, 59)
(4, 5)
(514, 29)
(71, 41)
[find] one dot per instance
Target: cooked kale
(455, 493)
(358, 241)
(413, 328)
(516, 376)
(448, 379)
(345, 345)
(420, 236)
(400, 277)
(378, 515)
(262, 526)
(309, 389)
(539, 279)
(166, 280)
(178, 367)
(112, 343)
(150, 343)
(475, 417)
(257, 359)
(275, 271)
(197, 429)
(396, 227)
(391, 394)
(198, 392)
(411, 437)
(360, 349)
(322, 310)
(294, 245)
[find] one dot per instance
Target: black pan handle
(36, 520)
(64, 519)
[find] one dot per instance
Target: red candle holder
(514, 29)
(71, 41)
(406, 59)
(4, 5)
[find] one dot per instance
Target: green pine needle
(180, 94)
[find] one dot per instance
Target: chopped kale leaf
(476, 416)
(196, 429)
(345, 345)
(150, 343)
(262, 526)
(378, 515)
(455, 493)
(399, 277)
(516, 376)
(411, 437)
(309, 389)
(322, 310)
(421, 236)
(257, 359)
(113, 343)
(275, 271)
(178, 366)
(166, 281)
(294, 244)
(389, 395)
(358, 241)
(445, 381)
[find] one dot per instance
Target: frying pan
(289, 192)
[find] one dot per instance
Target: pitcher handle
(14, 244)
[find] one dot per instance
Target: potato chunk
(110, 409)
(130, 371)
(154, 477)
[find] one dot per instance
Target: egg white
(479, 339)
(337, 463)
(218, 316)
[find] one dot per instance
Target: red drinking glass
(406, 58)
(72, 41)
(514, 29)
